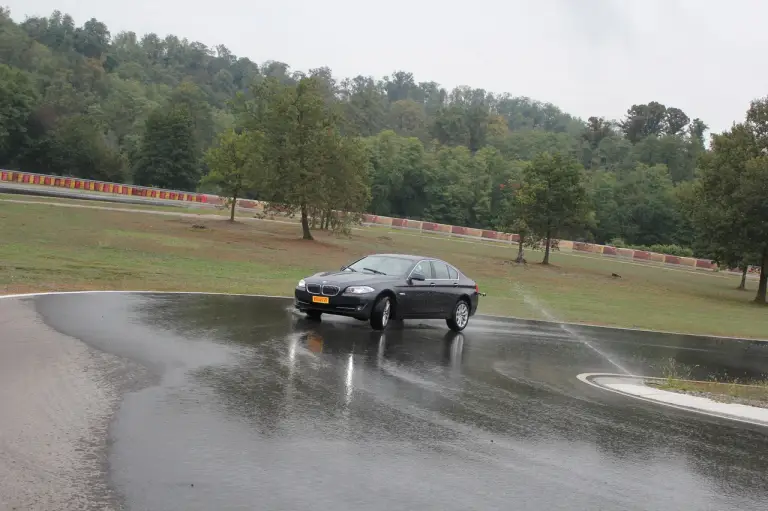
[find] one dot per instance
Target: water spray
(536, 305)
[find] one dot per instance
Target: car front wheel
(459, 317)
(381, 312)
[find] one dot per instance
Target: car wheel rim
(385, 314)
(462, 315)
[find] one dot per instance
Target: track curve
(235, 402)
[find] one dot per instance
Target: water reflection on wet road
(253, 407)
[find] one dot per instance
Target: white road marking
(632, 386)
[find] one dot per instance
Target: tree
(400, 86)
(754, 206)
(728, 208)
(674, 151)
(675, 121)
(234, 164)
(302, 149)
(408, 119)
(190, 97)
(603, 188)
(449, 193)
(79, 148)
(57, 76)
(401, 170)
(644, 120)
(93, 39)
(365, 105)
(596, 130)
(648, 213)
(512, 219)
(17, 102)
(345, 184)
(168, 156)
(450, 126)
(552, 197)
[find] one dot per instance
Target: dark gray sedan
(381, 287)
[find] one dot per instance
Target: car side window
(453, 273)
(440, 270)
(423, 268)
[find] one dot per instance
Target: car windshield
(381, 265)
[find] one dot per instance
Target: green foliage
(17, 102)
(552, 197)
(307, 165)
(432, 153)
(400, 172)
(79, 148)
(345, 184)
(234, 164)
(168, 156)
(728, 205)
(675, 250)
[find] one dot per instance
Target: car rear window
(440, 270)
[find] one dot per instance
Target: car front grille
(313, 289)
(330, 290)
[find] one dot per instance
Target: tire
(314, 315)
(459, 317)
(380, 313)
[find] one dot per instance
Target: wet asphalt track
(245, 405)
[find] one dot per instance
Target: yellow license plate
(320, 299)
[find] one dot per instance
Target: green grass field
(45, 247)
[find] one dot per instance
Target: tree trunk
(743, 284)
(761, 288)
(305, 223)
(520, 255)
(232, 211)
(546, 248)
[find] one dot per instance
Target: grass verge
(44, 247)
(755, 394)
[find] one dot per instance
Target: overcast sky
(589, 57)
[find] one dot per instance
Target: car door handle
(432, 284)
(455, 284)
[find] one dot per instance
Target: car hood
(345, 278)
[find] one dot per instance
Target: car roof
(415, 259)
(410, 257)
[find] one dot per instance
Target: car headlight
(301, 284)
(359, 290)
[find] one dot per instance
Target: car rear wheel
(459, 317)
(314, 315)
(380, 313)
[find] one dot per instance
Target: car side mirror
(417, 276)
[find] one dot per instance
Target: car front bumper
(354, 306)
